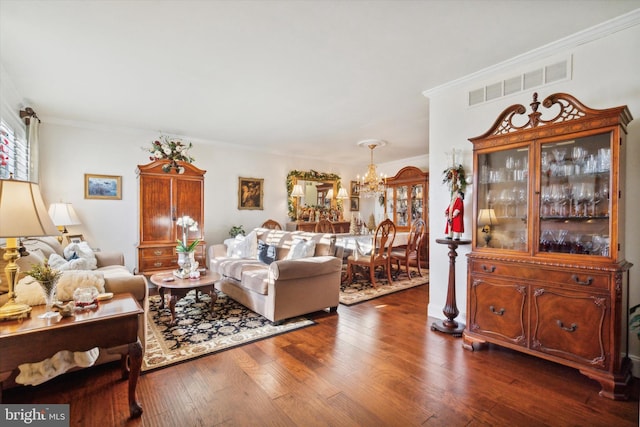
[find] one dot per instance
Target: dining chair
(380, 255)
(271, 224)
(411, 252)
(324, 226)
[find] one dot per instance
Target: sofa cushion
(266, 253)
(256, 280)
(29, 291)
(301, 249)
(233, 267)
(243, 246)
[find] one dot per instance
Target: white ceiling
(296, 77)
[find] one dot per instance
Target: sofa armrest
(134, 284)
(217, 251)
(304, 267)
(109, 258)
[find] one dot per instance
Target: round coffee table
(178, 288)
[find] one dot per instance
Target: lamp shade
(342, 194)
(487, 217)
(63, 214)
(330, 194)
(297, 191)
(22, 211)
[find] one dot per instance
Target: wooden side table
(113, 323)
(450, 310)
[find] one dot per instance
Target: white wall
(69, 151)
(605, 74)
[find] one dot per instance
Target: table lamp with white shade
(62, 215)
(22, 214)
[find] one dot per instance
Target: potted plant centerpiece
(186, 251)
(47, 277)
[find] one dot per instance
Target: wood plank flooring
(372, 364)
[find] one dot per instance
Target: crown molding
(599, 31)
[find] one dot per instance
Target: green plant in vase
(186, 251)
(47, 277)
(237, 230)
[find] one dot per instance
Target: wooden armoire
(163, 198)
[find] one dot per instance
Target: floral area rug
(362, 290)
(198, 331)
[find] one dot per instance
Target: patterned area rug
(199, 332)
(362, 290)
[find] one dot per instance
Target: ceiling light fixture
(372, 184)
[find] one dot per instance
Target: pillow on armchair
(77, 256)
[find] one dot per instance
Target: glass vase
(49, 288)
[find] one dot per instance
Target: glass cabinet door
(416, 202)
(503, 199)
(574, 195)
(402, 206)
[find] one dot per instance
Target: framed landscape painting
(102, 186)
(250, 193)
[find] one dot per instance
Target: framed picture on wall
(355, 189)
(355, 204)
(102, 186)
(250, 193)
(74, 238)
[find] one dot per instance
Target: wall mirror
(319, 191)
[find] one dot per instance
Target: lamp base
(12, 310)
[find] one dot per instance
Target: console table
(113, 323)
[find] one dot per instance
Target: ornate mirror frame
(294, 176)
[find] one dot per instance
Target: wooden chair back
(383, 239)
(271, 224)
(324, 226)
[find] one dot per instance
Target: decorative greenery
(455, 178)
(237, 229)
(311, 175)
(43, 273)
(171, 149)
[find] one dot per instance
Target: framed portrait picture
(250, 193)
(74, 238)
(355, 204)
(102, 186)
(355, 189)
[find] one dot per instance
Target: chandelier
(372, 184)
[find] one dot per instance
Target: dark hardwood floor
(373, 364)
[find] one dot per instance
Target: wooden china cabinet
(163, 198)
(407, 199)
(547, 274)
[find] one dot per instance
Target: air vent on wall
(537, 77)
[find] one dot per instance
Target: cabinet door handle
(497, 313)
(588, 282)
(157, 252)
(488, 269)
(157, 264)
(572, 328)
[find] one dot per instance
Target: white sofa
(285, 288)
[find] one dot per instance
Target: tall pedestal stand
(450, 310)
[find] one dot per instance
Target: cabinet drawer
(160, 251)
(582, 279)
(499, 309)
(153, 263)
(571, 325)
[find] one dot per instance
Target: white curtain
(32, 140)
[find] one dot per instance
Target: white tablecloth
(364, 241)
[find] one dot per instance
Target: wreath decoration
(455, 178)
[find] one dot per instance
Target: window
(14, 154)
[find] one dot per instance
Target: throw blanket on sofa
(77, 256)
(59, 363)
